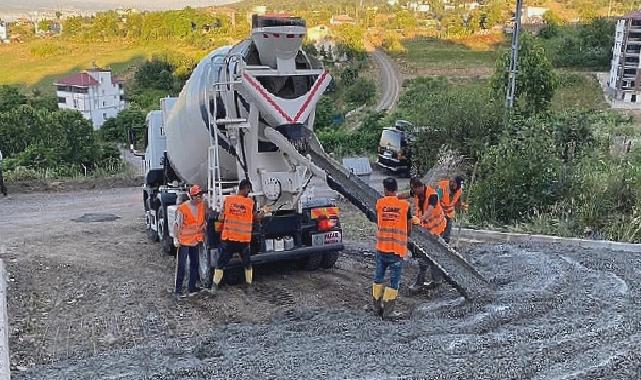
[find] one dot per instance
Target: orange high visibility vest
(391, 235)
(448, 202)
(192, 231)
(436, 222)
(238, 215)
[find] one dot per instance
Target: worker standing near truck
(393, 217)
(429, 215)
(449, 192)
(189, 230)
(238, 217)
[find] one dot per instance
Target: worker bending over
(393, 228)
(429, 215)
(238, 217)
(189, 230)
(450, 192)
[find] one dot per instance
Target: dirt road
(93, 300)
(391, 81)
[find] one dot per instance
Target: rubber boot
(377, 298)
(249, 276)
(419, 284)
(389, 301)
(218, 277)
(437, 278)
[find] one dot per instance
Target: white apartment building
(95, 93)
(624, 81)
(4, 32)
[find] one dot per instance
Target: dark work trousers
(448, 230)
(181, 261)
(227, 250)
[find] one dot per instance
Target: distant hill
(10, 6)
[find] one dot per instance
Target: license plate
(387, 154)
(331, 237)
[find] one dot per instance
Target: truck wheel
(329, 259)
(165, 240)
(313, 261)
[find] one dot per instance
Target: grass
(578, 90)
(464, 57)
(38, 64)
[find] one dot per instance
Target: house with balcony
(624, 81)
(95, 93)
(4, 32)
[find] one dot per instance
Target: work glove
(416, 220)
(464, 206)
(176, 243)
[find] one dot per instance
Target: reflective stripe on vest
(391, 234)
(436, 222)
(448, 203)
(191, 230)
(238, 219)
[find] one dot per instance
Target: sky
(11, 6)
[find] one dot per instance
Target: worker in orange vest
(393, 228)
(429, 215)
(450, 192)
(189, 232)
(238, 217)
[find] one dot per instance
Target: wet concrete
(554, 313)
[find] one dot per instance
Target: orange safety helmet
(195, 190)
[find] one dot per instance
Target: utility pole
(514, 59)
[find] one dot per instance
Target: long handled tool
(466, 195)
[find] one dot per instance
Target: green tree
(536, 81)
(117, 129)
(155, 74)
(10, 98)
(44, 25)
(72, 26)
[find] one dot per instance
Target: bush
(362, 91)
(518, 175)
(463, 118)
(38, 139)
(346, 142)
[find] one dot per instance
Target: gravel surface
(92, 300)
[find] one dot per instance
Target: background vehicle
(394, 149)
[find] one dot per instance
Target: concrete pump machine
(247, 112)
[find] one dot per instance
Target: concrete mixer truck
(246, 112)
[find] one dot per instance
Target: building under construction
(624, 81)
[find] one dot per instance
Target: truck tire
(329, 259)
(166, 241)
(204, 267)
(313, 261)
